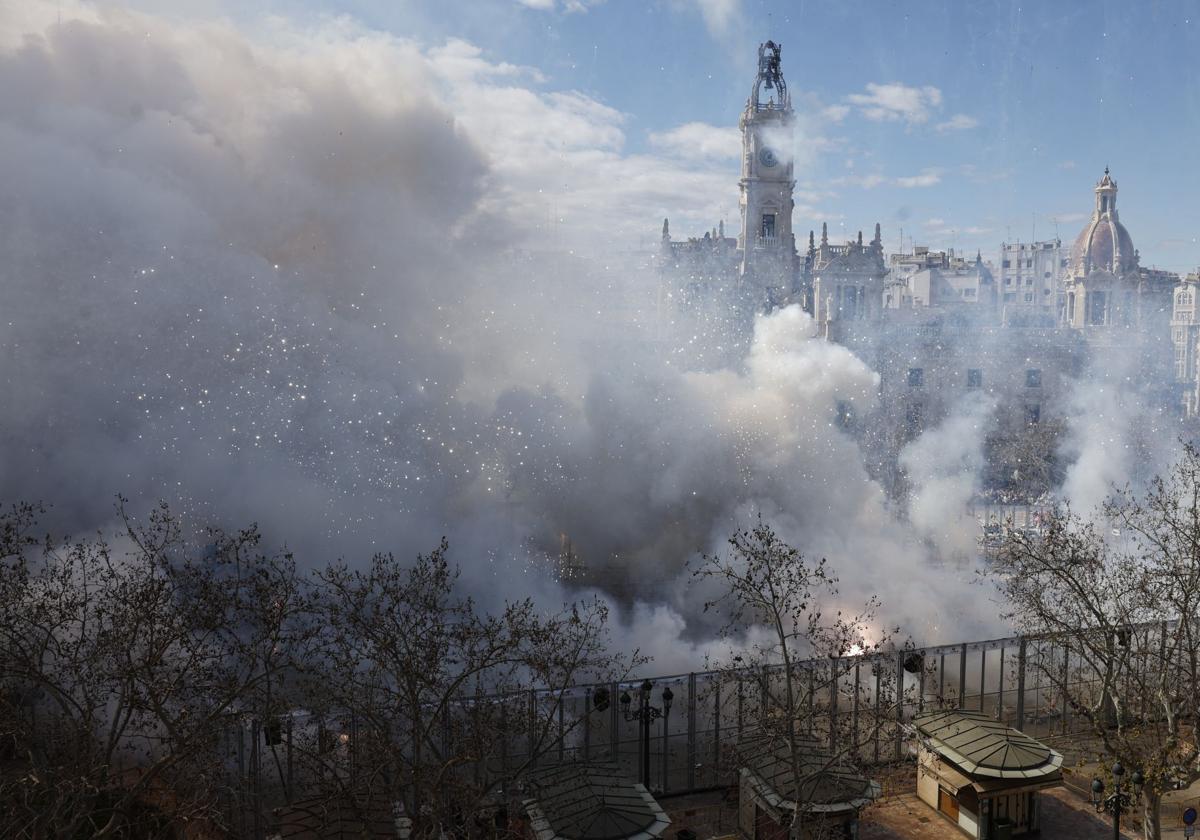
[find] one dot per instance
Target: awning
(989, 787)
(954, 780)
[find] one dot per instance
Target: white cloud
(461, 62)
(867, 182)
(939, 228)
(564, 5)
(1067, 164)
(719, 15)
(835, 113)
(958, 122)
(927, 178)
(1068, 218)
(699, 141)
(894, 102)
(558, 161)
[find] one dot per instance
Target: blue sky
(961, 123)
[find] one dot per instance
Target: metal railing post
(899, 703)
(982, 676)
(962, 677)
(691, 743)
(1000, 688)
(833, 704)
(1020, 722)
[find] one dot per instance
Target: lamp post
(1118, 802)
(646, 714)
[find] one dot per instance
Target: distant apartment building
(1029, 280)
(927, 278)
(1185, 335)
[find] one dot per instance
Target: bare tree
(1118, 596)
(1025, 460)
(120, 669)
(448, 702)
(801, 655)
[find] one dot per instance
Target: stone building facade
(1030, 280)
(936, 326)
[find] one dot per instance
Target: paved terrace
(1067, 813)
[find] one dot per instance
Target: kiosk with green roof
(982, 775)
(590, 802)
(827, 797)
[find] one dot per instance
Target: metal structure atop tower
(770, 77)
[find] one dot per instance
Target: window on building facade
(968, 293)
(1033, 414)
(1029, 297)
(847, 297)
(913, 417)
(916, 377)
(845, 414)
(1096, 306)
(1007, 263)
(768, 225)
(1029, 263)
(974, 378)
(1033, 378)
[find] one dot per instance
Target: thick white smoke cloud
(273, 279)
(944, 465)
(1118, 433)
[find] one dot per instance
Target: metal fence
(710, 710)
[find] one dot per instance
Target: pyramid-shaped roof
(983, 746)
(594, 802)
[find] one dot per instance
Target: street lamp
(646, 714)
(1118, 802)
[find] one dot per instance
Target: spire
(824, 234)
(878, 240)
(812, 245)
(721, 229)
(860, 239)
(666, 230)
(1106, 196)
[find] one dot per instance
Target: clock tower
(769, 259)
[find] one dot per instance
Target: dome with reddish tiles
(1104, 244)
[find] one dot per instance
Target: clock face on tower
(766, 156)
